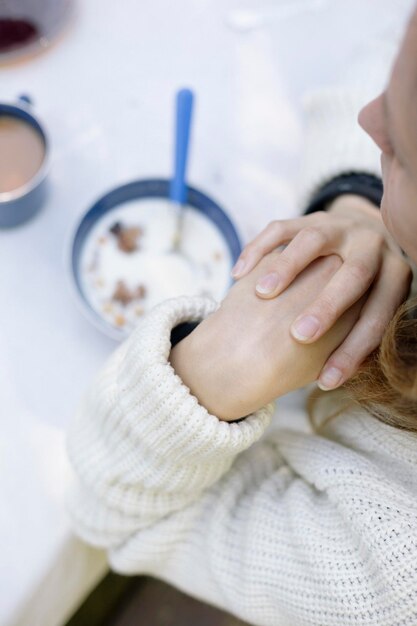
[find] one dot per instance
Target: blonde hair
(386, 383)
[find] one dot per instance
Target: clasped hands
(340, 267)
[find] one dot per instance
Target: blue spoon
(178, 188)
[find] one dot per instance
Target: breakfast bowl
(122, 262)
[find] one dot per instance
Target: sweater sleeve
(334, 143)
(271, 528)
(141, 445)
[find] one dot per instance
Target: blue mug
(21, 204)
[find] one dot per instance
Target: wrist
(347, 203)
(205, 366)
(355, 206)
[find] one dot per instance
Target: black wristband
(365, 185)
(181, 331)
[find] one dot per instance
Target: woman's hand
(353, 229)
(242, 356)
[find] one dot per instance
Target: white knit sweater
(279, 527)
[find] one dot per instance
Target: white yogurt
(204, 268)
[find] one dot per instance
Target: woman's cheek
(387, 200)
(385, 164)
(399, 203)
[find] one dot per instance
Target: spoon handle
(178, 187)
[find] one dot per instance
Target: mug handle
(25, 99)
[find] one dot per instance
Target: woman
(283, 527)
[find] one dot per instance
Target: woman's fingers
(276, 233)
(308, 244)
(390, 289)
(342, 291)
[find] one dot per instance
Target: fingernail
(305, 327)
(239, 267)
(267, 283)
(330, 378)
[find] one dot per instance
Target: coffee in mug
(22, 152)
(24, 163)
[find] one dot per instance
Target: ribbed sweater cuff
(139, 425)
(162, 407)
(364, 185)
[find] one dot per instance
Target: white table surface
(106, 91)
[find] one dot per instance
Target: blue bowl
(150, 188)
